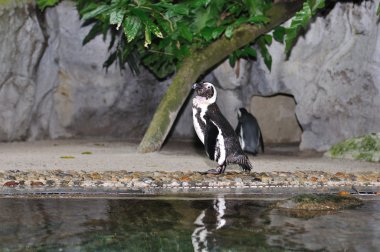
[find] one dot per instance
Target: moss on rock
(319, 202)
(6, 4)
(365, 148)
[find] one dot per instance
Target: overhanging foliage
(161, 34)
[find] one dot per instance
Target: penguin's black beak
(197, 86)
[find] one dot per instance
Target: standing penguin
(220, 140)
(249, 132)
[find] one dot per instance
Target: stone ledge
(124, 180)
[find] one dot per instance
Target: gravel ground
(114, 164)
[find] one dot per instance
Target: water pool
(216, 223)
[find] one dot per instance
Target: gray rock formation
(54, 87)
(77, 97)
(21, 48)
(333, 73)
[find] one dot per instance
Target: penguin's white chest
(220, 148)
(199, 111)
(199, 121)
(241, 138)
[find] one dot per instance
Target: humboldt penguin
(220, 140)
(248, 130)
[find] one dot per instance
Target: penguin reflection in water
(248, 130)
(220, 140)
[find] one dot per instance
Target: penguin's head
(241, 112)
(205, 90)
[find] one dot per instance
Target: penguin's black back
(231, 140)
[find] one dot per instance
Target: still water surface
(216, 224)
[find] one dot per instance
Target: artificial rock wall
(52, 87)
(333, 73)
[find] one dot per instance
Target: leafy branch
(300, 21)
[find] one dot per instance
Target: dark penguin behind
(248, 130)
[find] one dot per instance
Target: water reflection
(202, 230)
(179, 225)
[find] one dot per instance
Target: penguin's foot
(222, 168)
(213, 171)
(218, 170)
(246, 168)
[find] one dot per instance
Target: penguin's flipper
(237, 130)
(211, 135)
(241, 160)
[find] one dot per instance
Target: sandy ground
(184, 156)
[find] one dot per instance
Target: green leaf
(148, 38)
(200, 3)
(153, 27)
(261, 41)
(229, 31)
(207, 33)
(102, 9)
(378, 10)
(208, 16)
(300, 20)
(260, 19)
(116, 17)
(316, 5)
(279, 34)
(132, 26)
(232, 59)
(164, 43)
(246, 52)
(217, 31)
(185, 32)
(132, 58)
(183, 51)
(267, 39)
(149, 25)
(257, 7)
(111, 59)
(249, 51)
(42, 4)
(181, 9)
(240, 21)
(95, 30)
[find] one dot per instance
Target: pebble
(36, 183)
(178, 179)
